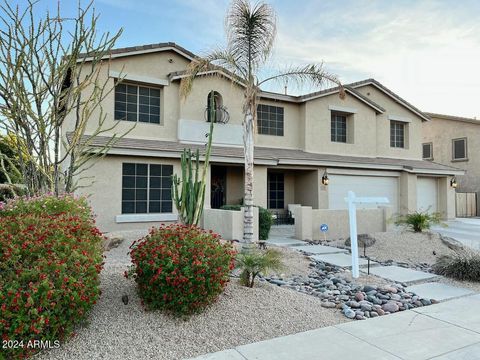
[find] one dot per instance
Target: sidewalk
(449, 330)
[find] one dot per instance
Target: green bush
(254, 262)
(49, 273)
(463, 265)
(180, 269)
(265, 219)
(419, 221)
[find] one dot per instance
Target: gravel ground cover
(241, 316)
(404, 246)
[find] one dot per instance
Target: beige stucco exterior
(440, 132)
(306, 124)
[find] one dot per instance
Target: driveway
(465, 230)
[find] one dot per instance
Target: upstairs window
(217, 104)
(427, 151)
(270, 120)
(339, 127)
(146, 188)
(459, 149)
(137, 103)
(397, 134)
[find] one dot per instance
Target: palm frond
(217, 59)
(313, 74)
(251, 33)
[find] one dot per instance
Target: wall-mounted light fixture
(453, 183)
(325, 179)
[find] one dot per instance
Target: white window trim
(134, 218)
(399, 118)
(138, 78)
(342, 109)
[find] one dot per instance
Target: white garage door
(427, 194)
(339, 186)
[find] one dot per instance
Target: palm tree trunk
(248, 186)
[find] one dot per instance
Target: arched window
(217, 104)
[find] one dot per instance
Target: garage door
(339, 186)
(427, 194)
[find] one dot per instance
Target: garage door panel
(339, 186)
(427, 191)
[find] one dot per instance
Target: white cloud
(427, 52)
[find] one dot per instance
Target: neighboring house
(455, 141)
(370, 142)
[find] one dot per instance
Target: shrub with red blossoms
(181, 269)
(49, 269)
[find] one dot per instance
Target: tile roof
(454, 118)
(279, 156)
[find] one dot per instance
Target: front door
(218, 186)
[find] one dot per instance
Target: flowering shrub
(180, 269)
(49, 272)
(47, 204)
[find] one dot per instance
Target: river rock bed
(356, 301)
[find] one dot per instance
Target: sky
(428, 52)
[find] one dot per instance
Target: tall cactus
(188, 191)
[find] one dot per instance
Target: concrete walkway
(450, 330)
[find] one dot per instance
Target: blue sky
(426, 51)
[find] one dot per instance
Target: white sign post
(352, 201)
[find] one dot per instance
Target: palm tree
(251, 31)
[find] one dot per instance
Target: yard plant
(180, 269)
(462, 265)
(50, 260)
(255, 262)
(419, 221)
(265, 219)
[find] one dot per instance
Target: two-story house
(455, 141)
(369, 142)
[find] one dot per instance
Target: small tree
(44, 79)
(251, 31)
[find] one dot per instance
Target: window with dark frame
(459, 149)
(427, 151)
(270, 120)
(397, 134)
(339, 127)
(146, 188)
(137, 103)
(276, 190)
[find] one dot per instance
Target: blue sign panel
(324, 228)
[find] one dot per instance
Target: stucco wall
(414, 127)
(308, 221)
(228, 223)
(318, 127)
(441, 132)
(234, 185)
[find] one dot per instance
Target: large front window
(146, 188)
(276, 190)
(270, 120)
(137, 103)
(397, 134)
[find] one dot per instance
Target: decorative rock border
(356, 301)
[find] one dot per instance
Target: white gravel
(404, 246)
(241, 316)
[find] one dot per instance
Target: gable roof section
(144, 49)
(178, 75)
(391, 94)
(454, 118)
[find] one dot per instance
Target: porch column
(408, 193)
(446, 198)
(260, 186)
